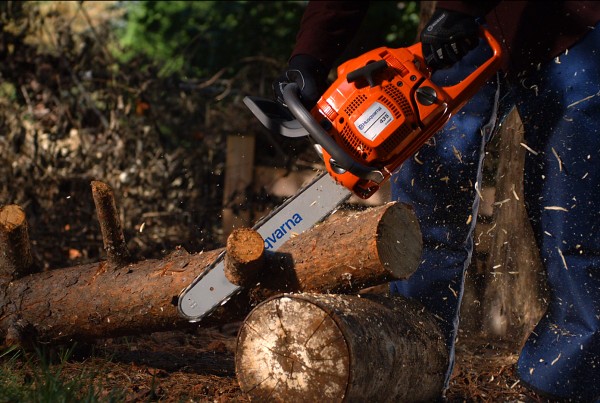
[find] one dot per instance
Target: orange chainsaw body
(382, 120)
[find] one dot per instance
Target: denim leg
(560, 108)
(440, 184)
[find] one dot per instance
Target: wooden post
(239, 168)
(340, 348)
(110, 224)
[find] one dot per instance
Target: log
(349, 252)
(15, 250)
(334, 348)
(245, 256)
(142, 297)
(87, 302)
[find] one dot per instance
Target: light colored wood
(334, 348)
(245, 256)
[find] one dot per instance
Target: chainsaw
(380, 110)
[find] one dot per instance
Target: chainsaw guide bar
(310, 205)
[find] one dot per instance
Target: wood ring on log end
(400, 244)
(244, 256)
(326, 347)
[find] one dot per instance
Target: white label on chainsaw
(372, 122)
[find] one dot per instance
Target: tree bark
(350, 252)
(317, 347)
(15, 250)
(110, 225)
(88, 302)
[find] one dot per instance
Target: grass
(40, 377)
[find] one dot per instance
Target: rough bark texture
(15, 250)
(110, 224)
(350, 252)
(316, 347)
(245, 256)
(513, 297)
(87, 302)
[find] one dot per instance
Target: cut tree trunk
(98, 300)
(15, 251)
(317, 347)
(350, 252)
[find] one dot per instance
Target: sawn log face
(315, 347)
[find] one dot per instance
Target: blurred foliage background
(141, 95)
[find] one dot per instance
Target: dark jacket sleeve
(327, 27)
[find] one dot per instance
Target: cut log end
(11, 217)
(314, 347)
(399, 241)
(244, 256)
(285, 357)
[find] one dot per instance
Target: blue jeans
(560, 109)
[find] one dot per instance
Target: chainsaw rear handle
(461, 92)
(342, 159)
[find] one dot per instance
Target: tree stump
(15, 251)
(317, 347)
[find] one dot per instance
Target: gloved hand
(309, 74)
(447, 37)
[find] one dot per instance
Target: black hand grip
(366, 72)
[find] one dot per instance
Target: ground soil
(198, 366)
